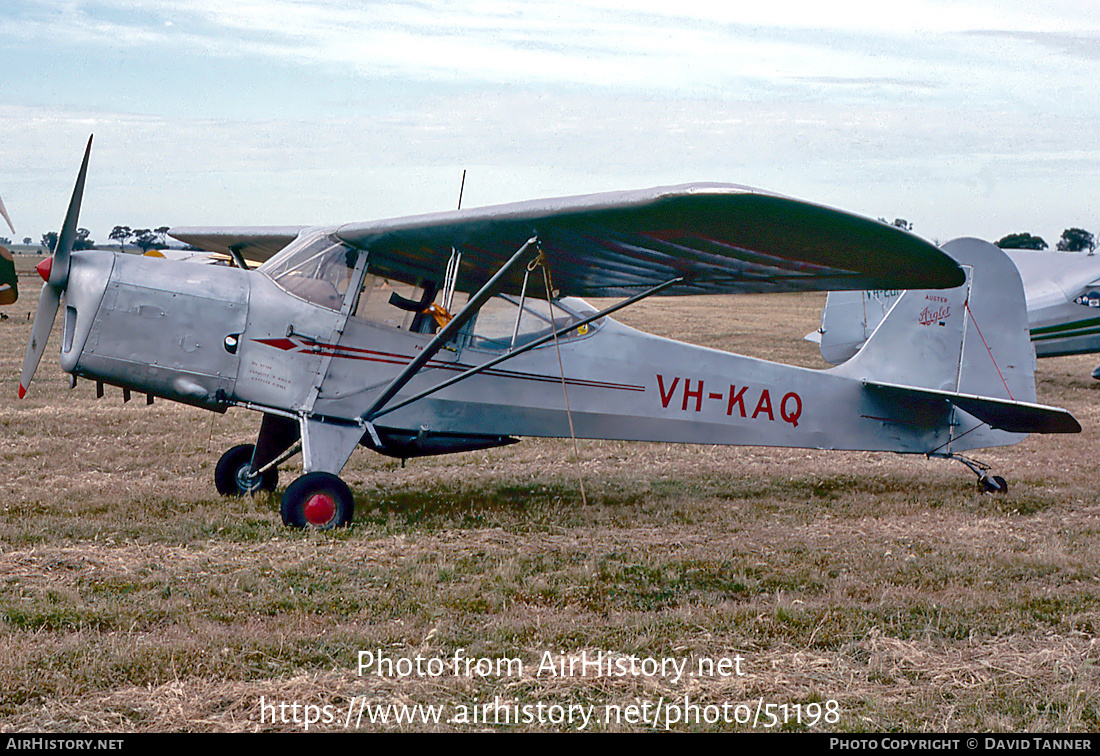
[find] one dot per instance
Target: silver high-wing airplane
(462, 330)
(1061, 290)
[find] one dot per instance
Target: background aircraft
(346, 337)
(9, 279)
(4, 212)
(1062, 291)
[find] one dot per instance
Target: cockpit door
(339, 325)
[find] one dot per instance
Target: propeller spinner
(56, 274)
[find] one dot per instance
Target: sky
(964, 117)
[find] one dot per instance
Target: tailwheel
(986, 483)
(233, 474)
(317, 500)
(992, 484)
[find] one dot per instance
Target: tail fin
(972, 339)
(848, 319)
(969, 347)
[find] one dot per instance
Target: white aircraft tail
(968, 346)
(848, 319)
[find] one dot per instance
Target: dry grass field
(846, 592)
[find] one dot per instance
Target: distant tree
(146, 239)
(901, 223)
(83, 239)
(1076, 240)
(143, 238)
(162, 235)
(120, 234)
(5, 240)
(26, 240)
(1022, 241)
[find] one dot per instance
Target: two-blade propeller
(56, 272)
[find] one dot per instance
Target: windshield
(315, 267)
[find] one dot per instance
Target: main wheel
(317, 500)
(232, 476)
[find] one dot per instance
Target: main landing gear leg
(986, 483)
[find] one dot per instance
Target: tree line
(144, 239)
(1072, 239)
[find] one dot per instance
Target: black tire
(993, 484)
(231, 474)
(317, 500)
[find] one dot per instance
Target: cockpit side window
(417, 308)
(377, 297)
(316, 268)
(502, 323)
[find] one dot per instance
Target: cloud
(274, 112)
(644, 46)
(1083, 45)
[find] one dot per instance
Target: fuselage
(216, 337)
(1063, 301)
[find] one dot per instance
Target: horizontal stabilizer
(1001, 414)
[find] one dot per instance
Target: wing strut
(526, 347)
(238, 256)
(448, 332)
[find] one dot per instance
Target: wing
(254, 242)
(719, 238)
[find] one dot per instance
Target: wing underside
(719, 238)
(257, 243)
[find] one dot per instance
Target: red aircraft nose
(44, 268)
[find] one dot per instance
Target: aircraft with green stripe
(1062, 290)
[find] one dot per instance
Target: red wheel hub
(320, 509)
